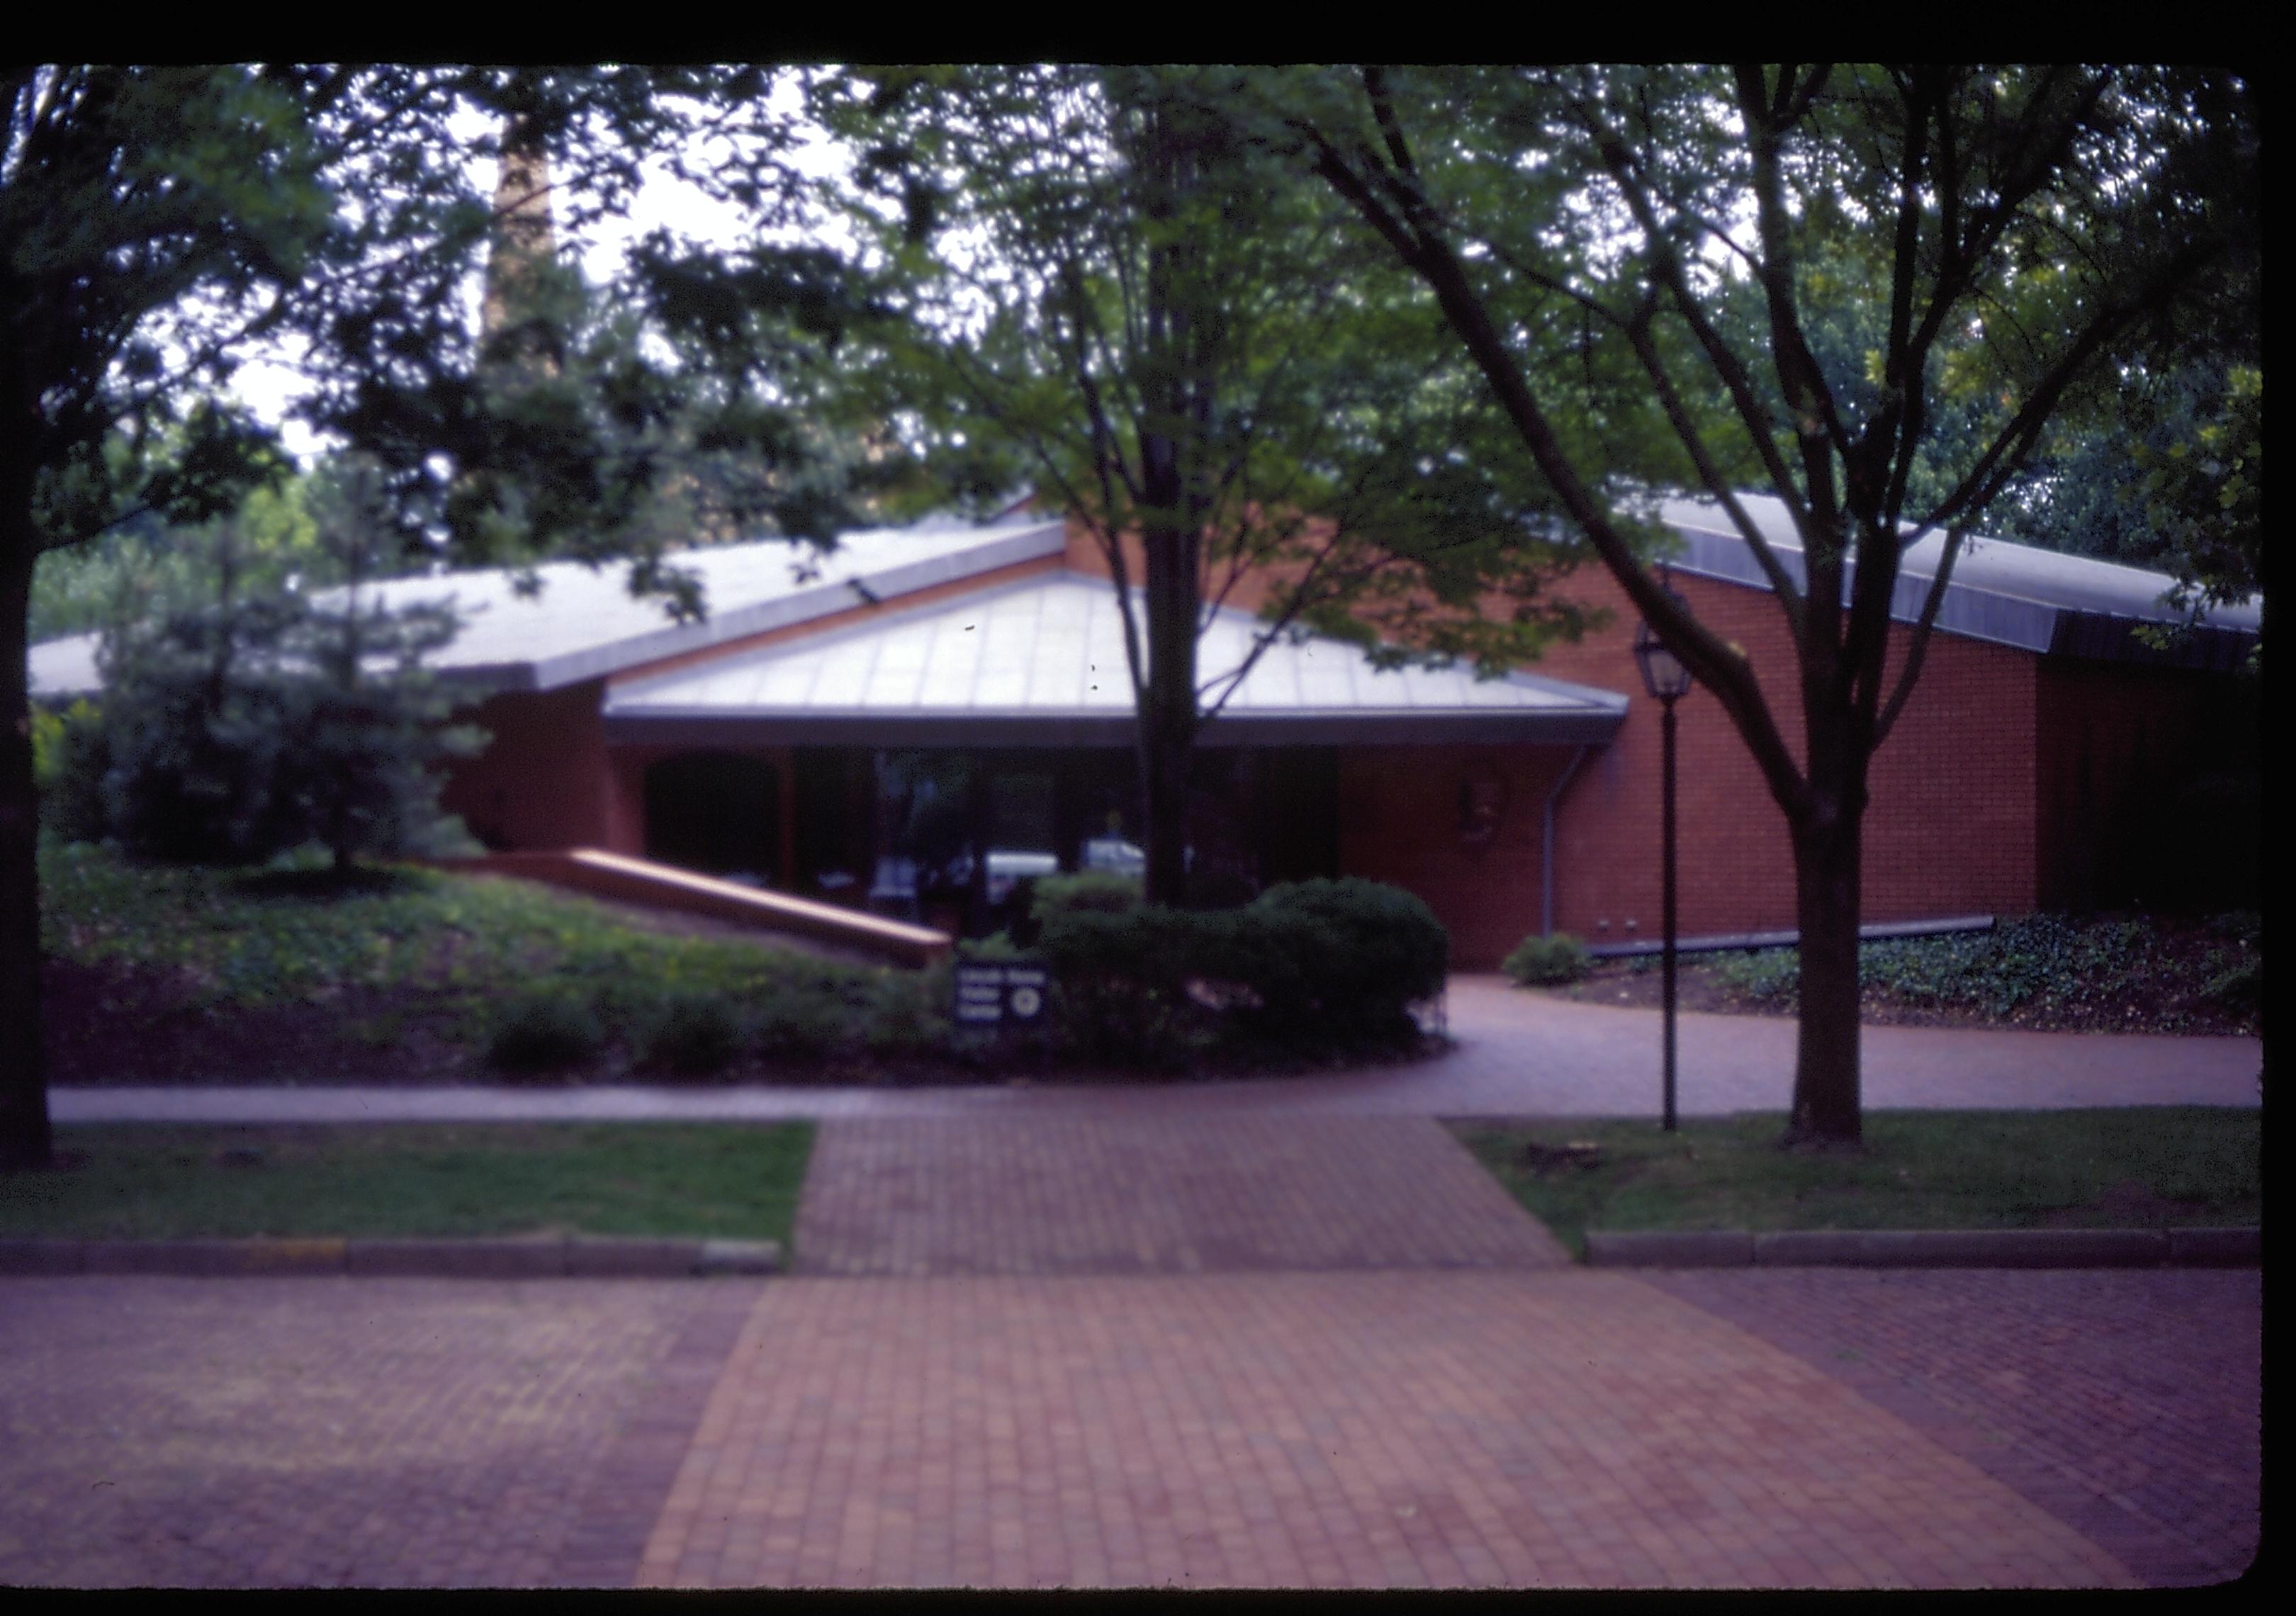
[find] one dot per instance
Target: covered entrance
(717, 812)
(941, 755)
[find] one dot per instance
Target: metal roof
(584, 622)
(1041, 662)
(2008, 593)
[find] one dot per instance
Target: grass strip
(148, 1181)
(2131, 1167)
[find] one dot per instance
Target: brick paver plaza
(1199, 1337)
(1031, 1399)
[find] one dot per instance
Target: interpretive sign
(1007, 993)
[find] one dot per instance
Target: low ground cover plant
(527, 981)
(2125, 973)
(2049, 969)
(694, 1036)
(539, 1033)
(2127, 1167)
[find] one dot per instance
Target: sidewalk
(1268, 1332)
(1282, 1332)
(1515, 1428)
(1517, 1054)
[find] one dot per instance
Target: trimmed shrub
(1546, 961)
(543, 1032)
(1315, 966)
(1122, 981)
(1342, 961)
(694, 1036)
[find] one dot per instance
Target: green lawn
(2147, 1166)
(162, 1181)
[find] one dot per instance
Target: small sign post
(1006, 993)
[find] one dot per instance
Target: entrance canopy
(1041, 663)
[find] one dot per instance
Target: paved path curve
(1518, 1053)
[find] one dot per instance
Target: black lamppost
(1665, 678)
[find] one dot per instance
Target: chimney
(524, 240)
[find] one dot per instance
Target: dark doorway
(1299, 805)
(715, 812)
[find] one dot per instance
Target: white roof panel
(1052, 649)
(2001, 590)
(585, 623)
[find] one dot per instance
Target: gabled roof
(585, 623)
(1042, 662)
(2008, 593)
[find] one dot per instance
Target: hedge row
(1314, 967)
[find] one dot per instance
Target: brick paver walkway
(1315, 1430)
(1228, 1334)
(2130, 1404)
(1074, 1195)
(312, 1432)
(1518, 1426)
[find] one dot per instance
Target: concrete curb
(2237, 1248)
(578, 1256)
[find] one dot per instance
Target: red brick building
(860, 730)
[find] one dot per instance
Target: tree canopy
(1505, 308)
(1101, 294)
(1870, 291)
(163, 226)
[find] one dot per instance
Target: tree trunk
(1168, 719)
(26, 1138)
(1825, 1097)
(1164, 767)
(1173, 502)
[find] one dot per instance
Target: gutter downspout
(1547, 844)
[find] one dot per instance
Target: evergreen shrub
(1316, 966)
(1547, 960)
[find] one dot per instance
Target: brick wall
(2148, 787)
(543, 781)
(1949, 829)
(1401, 821)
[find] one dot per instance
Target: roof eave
(1576, 727)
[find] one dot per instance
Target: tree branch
(1667, 264)
(1677, 414)
(1721, 668)
(1917, 638)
